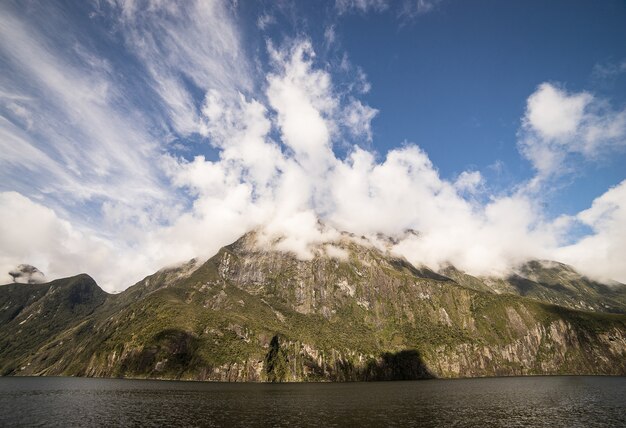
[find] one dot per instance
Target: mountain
(30, 314)
(352, 312)
(551, 282)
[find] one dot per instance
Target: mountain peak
(256, 311)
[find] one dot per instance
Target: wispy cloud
(345, 6)
(413, 8)
(608, 70)
(72, 123)
(265, 20)
(182, 47)
(407, 9)
(81, 137)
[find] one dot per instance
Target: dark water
(501, 402)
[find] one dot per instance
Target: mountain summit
(351, 312)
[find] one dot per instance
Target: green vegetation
(276, 362)
(248, 315)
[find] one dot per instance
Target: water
(500, 402)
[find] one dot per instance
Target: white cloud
(27, 274)
(413, 8)
(72, 136)
(358, 81)
(358, 118)
(304, 102)
(239, 128)
(601, 254)
(554, 114)
(558, 124)
(489, 241)
(469, 181)
(406, 9)
(309, 183)
(406, 192)
(425, 6)
(329, 35)
(31, 233)
(264, 21)
(336, 252)
(609, 70)
(345, 6)
(363, 85)
(197, 41)
(255, 183)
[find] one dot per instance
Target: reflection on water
(506, 402)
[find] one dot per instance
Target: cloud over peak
(118, 181)
(304, 182)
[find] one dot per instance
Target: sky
(138, 134)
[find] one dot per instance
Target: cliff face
(352, 312)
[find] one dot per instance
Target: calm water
(506, 402)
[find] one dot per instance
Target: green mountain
(352, 312)
(551, 282)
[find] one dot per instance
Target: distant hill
(353, 312)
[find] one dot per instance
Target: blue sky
(135, 135)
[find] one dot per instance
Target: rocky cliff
(351, 312)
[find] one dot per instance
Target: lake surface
(565, 401)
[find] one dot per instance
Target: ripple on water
(499, 402)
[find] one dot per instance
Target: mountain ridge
(255, 314)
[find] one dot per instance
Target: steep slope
(361, 314)
(31, 314)
(552, 282)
